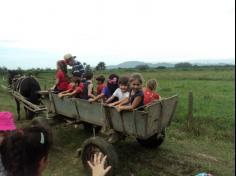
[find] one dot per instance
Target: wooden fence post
(190, 108)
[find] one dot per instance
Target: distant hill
(133, 64)
(129, 64)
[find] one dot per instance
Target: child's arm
(124, 101)
(60, 95)
(110, 99)
(90, 91)
(134, 105)
(120, 102)
(68, 94)
(97, 97)
(67, 91)
(56, 83)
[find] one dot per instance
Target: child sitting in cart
(74, 89)
(107, 92)
(122, 93)
(88, 92)
(61, 77)
(150, 93)
(100, 84)
(136, 98)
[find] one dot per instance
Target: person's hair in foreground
(25, 151)
(7, 124)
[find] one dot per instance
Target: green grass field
(206, 146)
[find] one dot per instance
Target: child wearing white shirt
(121, 94)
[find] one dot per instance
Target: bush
(183, 65)
(142, 67)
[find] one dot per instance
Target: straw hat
(7, 121)
(68, 57)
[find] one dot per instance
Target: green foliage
(183, 65)
(161, 67)
(142, 67)
(3, 70)
(101, 66)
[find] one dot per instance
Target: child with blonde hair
(150, 93)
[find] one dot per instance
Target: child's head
(61, 65)
(124, 83)
(7, 124)
(88, 75)
(25, 151)
(136, 81)
(152, 84)
(75, 81)
(100, 79)
(113, 83)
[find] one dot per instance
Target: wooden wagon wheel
(95, 145)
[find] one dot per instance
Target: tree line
(102, 66)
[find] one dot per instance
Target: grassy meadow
(207, 145)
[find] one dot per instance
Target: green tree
(142, 67)
(183, 65)
(101, 66)
(88, 68)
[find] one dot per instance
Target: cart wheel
(95, 145)
(154, 141)
(89, 127)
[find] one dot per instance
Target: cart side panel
(131, 123)
(65, 106)
(168, 110)
(116, 120)
(93, 113)
(128, 122)
(154, 118)
(141, 125)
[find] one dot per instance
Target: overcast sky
(37, 33)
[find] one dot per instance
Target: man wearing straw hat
(77, 68)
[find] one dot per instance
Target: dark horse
(28, 87)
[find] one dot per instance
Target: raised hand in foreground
(98, 165)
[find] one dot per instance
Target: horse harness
(19, 82)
